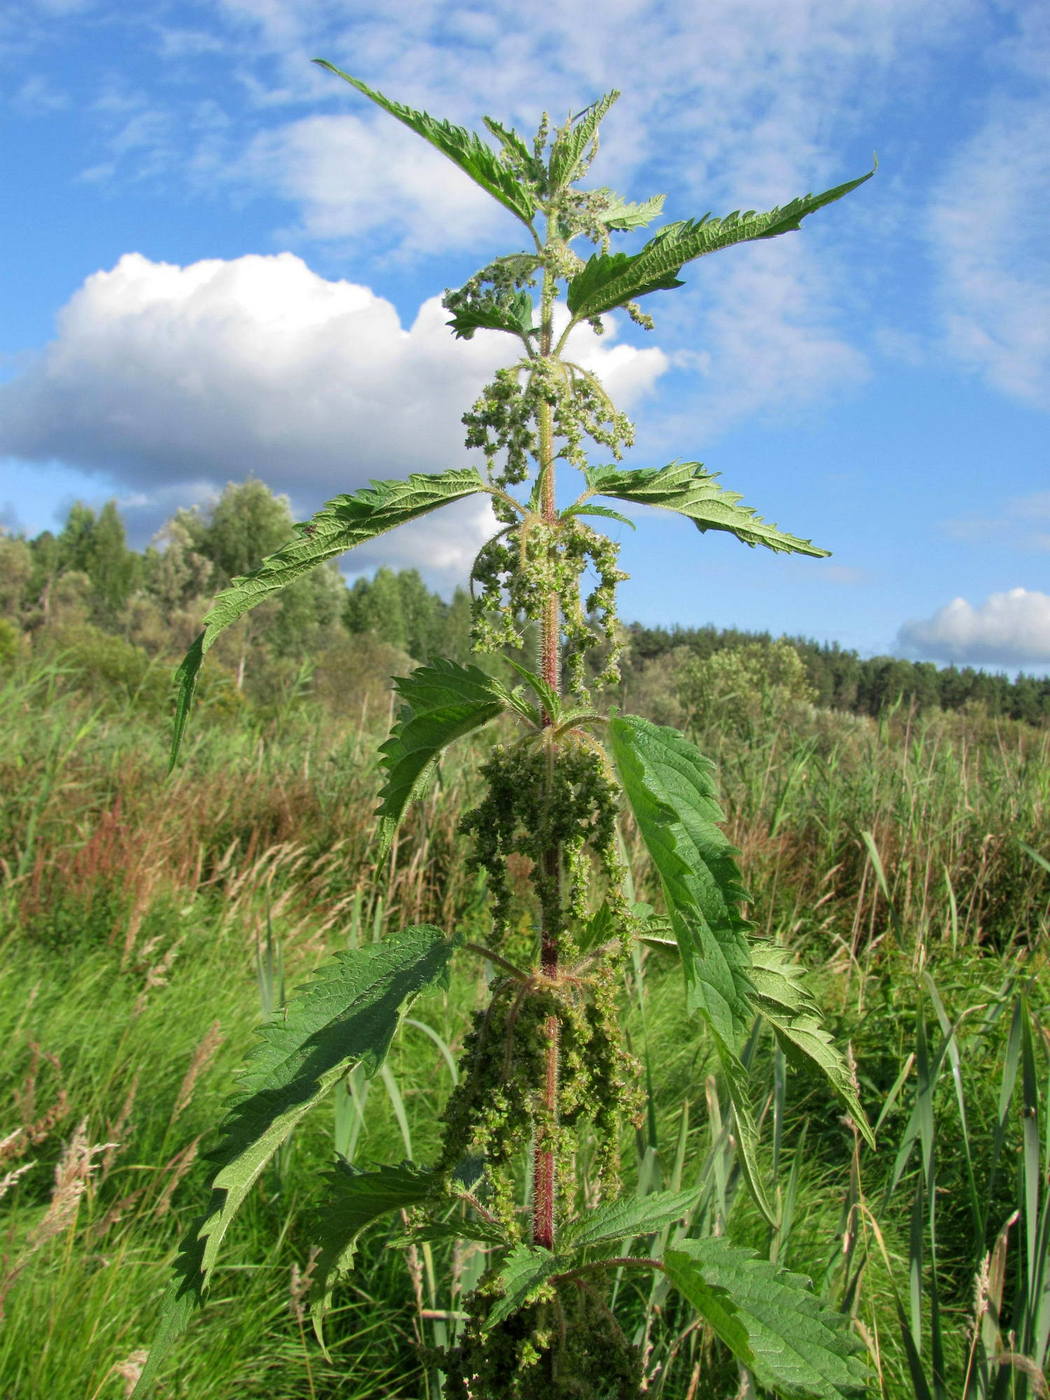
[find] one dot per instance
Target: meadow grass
(147, 922)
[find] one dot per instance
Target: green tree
(44, 550)
(114, 569)
(745, 689)
(176, 574)
(422, 611)
(244, 525)
(74, 539)
(375, 606)
(455, 639)
(400, 609)
(16, 572)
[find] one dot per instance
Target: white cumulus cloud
(162, 375)
(1008, 629)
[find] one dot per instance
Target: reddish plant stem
(544, 1167)
(544, 1182)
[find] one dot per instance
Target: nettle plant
(529, 1164)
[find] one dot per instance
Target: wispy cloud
(354, 185)
(37, 97)
(1022, 522)
(1007, 629)
(986, 225)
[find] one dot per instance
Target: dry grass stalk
(130, 1369)
(156, 975)
(7, 1181)
(177, 1168)
(73, 1173)
(202, 1058)
(37, 1129)
(117, 1212)
(116, 1128)
(10, 1146)
(300, 1284)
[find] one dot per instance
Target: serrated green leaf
(604, 511)
(343, 523)
(597, 287)
(570, 146)
(687, 489)
(464, 148)
(512, 312)
(516, 150)
(623, 215)
(608, 280)
(669, 787)
(770, 1319)
(626, 1218)
(353, 1201)
(438, 1231)
(601, 927)
(442, 702)
(786, 1004)
(525, 1269)
(346, 1016)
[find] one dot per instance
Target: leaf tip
(186, 681)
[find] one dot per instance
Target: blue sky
(221, 261)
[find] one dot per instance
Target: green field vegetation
(148, 922)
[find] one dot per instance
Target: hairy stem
(544, 1169)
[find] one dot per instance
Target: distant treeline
(82, 586)
(82, 581)
(842, 680)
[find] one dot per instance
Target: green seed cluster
(541, 796)
(501, 423)
(517, 571)
(498, 1107)
(567, 1346)
(547, 795)
(501, 420)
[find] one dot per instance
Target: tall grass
(147, 922)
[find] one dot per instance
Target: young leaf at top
(346, 1016)
(353, 1201)
(624, 1219)
(343, 523)
(687, 489)
(571, 145)
(462, 147)
(669, 788)
(770, 1319)
(608, 280)
(546, 693)
(442, 702)
(782, 999)
(517, 153)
